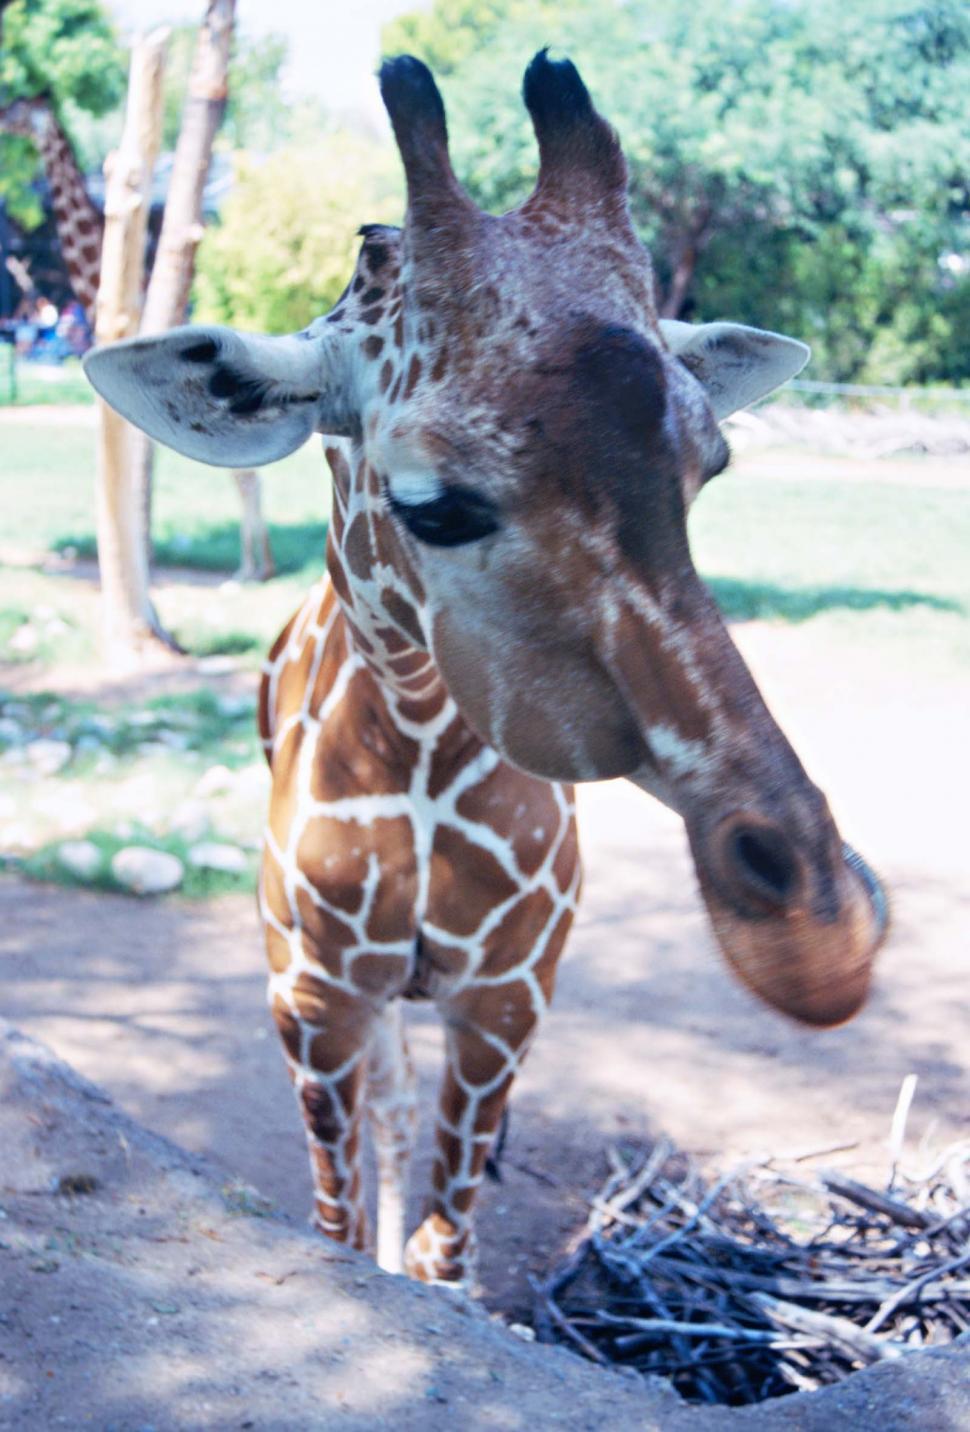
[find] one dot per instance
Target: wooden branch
(891, 1208)
(859, 1343)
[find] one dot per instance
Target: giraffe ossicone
(510, 607)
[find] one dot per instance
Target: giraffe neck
(79, 224)
(377, 588)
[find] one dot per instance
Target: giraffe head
(526, 440)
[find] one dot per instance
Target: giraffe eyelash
(456, 517)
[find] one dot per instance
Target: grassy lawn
(875, 562)
(43, 383)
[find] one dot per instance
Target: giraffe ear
(226, 398)
(735, 365)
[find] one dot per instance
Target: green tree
(257, 115)
(285, 245)
(67, 49)
(796, 163)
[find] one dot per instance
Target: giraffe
(510, 607)
(80, 224)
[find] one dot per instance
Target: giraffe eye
(456, 516)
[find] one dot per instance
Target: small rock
(144, 871)
(48, 757)
(215, 781)
(81, 857)
(18, 836)
(190, 821)
(64, 808)
(523, 1331)
(174, 740)
(215, 855)
(233, 706)
(24, 639)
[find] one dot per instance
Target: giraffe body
(80, 224)
(511, 606)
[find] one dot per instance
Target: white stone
(215, 781)
(81, 857)
(216, 855)
(233, 706)
(48, 757)
(190, 820)
(144, 871)
(173, 740)
(66, 809)
(216, 665)
(24, 639)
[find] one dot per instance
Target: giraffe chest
(402, 855)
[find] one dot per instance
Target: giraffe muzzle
(800, 924)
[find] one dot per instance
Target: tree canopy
(800, 164)
(287, 238)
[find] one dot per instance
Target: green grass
(44, 384)
(874, 562)
(197, 883)
(47, 495)
(135, 771)
(195, 722)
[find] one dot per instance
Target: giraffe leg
(481, 1065)
(392, 1109)
(326, 1033)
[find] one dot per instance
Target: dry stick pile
(766, 1282)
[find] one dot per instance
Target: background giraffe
(80, 224)
(511, 606)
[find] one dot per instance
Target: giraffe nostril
(763, 862)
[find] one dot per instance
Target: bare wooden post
(129, 619)
(257, 563)
(167, 296)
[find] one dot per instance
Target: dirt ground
(137, 1295)
(162, 1002)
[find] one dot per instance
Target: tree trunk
(182, 224)
(257, 563)
(129, 620)
(689, 251)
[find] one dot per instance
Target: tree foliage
(802, 164)
(285, 246)
(66, 49)
(257, 115)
